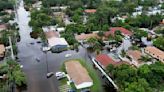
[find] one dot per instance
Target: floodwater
(36, 71)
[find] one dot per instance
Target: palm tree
(145, 58)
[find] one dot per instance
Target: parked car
(71, 90)
(68, 55)
(60, 75)
(85, 90)
(50, 74)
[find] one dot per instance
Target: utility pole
(11, 48)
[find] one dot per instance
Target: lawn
(97, 85)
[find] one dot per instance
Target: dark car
(71, 90)
(85, 90)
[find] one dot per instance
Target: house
(78, 74)
(84, 37)
(50, 34)
(124, 31)
(2, 51)
(60, 29)
(37, 5)
(135, 56)
(3, 27)
(90, 10)
(57, 44)
(155, 53)
(104, 60)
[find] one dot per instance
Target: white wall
(84, 85)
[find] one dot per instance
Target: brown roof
(135, 54)
(105, 60)
(3, 27)
(86, 36)
(51, 34)
(155, 51)
(121, 29)
(77, 72)
(2, 50)
(90, 10)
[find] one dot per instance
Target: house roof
(155, 51)
(77, 72)
(51, 34)
(53, 41)
(105, 60)
(3, 27)
(121, 29)
(2, 48)
(135, 54)
(90, 10)
(86, 36)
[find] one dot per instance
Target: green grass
(97, 85)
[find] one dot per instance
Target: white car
(68, 55)
(60, 75)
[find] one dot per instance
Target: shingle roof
(105, 60)
(155, 51)
(121, 29)
(77, 72)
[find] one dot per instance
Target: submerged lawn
(97, 85)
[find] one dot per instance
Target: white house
(78, 74)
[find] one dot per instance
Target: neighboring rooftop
(135, 54)
(105, 60)
(2, 50)
(51, 34)
(78, 74)
(155, 52)
(53, 41)
(121, 29)
(86, 36)
(90, 10)
(3, 27)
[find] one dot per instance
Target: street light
(49, 74)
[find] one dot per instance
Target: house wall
(84, 85)
(59, 48)
(155, 56)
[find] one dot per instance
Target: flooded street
(27, 54)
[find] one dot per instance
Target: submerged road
(36, 71)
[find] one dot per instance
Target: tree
(139, 86)
(140, 33)
(159, 42)
(145, 58)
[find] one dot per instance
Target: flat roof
(53, 41)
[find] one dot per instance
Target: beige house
(84, 37)
(78, 74)
(135, 55)
(155, 52)
(2, 50)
